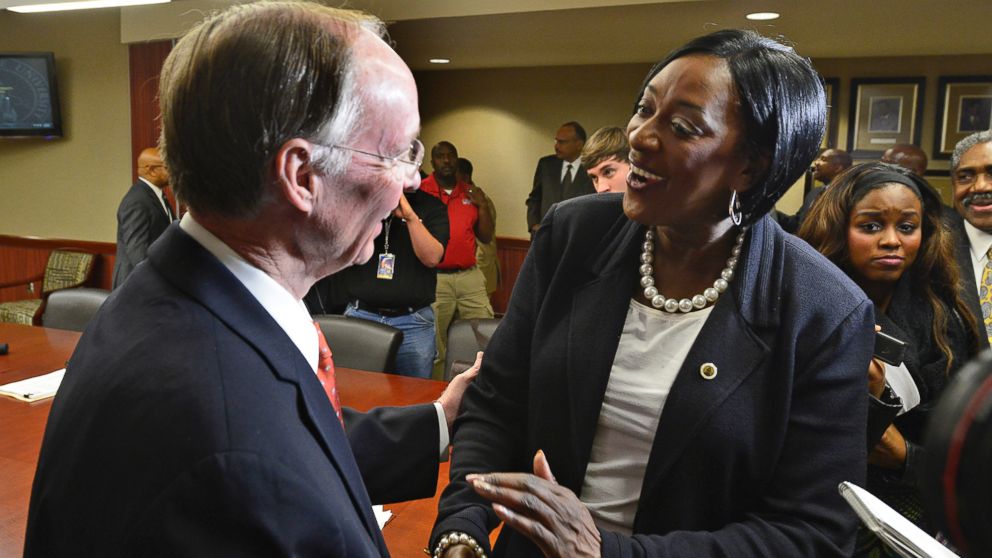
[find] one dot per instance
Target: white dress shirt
(287, 310)
(158, 195)
(575, 168)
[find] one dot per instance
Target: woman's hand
(890, 451)
(548, 514)
(876, 377)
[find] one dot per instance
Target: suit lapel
(599, 305)
(193, 270)
(966, 268)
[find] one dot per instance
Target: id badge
(387, 263)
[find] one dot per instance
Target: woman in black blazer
(673, 378)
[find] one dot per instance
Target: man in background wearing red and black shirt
(461, 286)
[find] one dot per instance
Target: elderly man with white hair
(199, 414)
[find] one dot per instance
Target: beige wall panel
(504, 120)
(70, 187)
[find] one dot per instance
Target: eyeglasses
(967, 177)
(414, 157)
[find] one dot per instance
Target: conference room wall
(70, 187)
(504, 119)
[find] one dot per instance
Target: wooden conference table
(38, 350)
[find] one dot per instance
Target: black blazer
(746, 464)
(962, 253)
(547, 189)
(189, 424)
(140, 220)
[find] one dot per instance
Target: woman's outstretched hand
(548, 514)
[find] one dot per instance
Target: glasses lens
(416, 155)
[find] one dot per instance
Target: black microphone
(3, 348)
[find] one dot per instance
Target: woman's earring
(736, 215)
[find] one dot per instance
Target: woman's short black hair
(782, 104)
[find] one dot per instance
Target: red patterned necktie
(325, 373)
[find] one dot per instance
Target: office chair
(360, 344)
(465, 338)
(72, 308)
(64, 270)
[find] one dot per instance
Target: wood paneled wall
(511, 253)
(145, 63)
(24, 258)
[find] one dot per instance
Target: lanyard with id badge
(387, 261)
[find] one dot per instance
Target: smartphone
(888, 349)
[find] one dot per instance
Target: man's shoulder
(548, 160)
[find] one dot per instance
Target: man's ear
(293, 175)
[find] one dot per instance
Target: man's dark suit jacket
(547, 189)
(962, 253)
(746, 464)
(140, 220)
(189, 424)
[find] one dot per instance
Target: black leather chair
(360, 344)
(72, 308)
(465, 339)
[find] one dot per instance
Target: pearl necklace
(697, 302)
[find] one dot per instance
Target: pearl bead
(696, 302)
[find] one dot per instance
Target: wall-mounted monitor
(29, 98)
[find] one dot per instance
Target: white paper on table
(34, 389)
(382, 516)
(897, 531)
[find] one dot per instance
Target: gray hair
(245, 81)
(967, 143)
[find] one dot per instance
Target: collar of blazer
(197, 273)
(620, 247)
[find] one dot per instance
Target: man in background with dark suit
(971, 176)
(199, 414)
(560, 176)
(143, 215)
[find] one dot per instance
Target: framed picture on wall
(964, 106)
(884, 112)
(831, 86)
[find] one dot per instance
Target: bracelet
(457, 537)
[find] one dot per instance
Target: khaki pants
(461, 295)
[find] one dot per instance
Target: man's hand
(548, 514)
(404, 211)
(451, 399)
(476, 195)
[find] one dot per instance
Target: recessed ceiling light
(762, 16)
(439, 60)
(33, 8)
